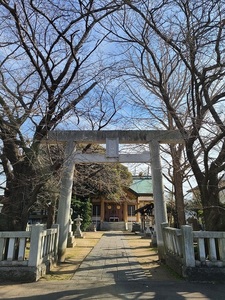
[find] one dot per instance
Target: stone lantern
(78, 232)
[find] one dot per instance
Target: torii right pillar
(158, 194)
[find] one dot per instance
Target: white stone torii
(112, 139)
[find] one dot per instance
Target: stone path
(111, 260)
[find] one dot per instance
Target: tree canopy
(179, 46)
(97, 180)
(49, 64)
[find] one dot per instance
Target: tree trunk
(51, 215)
(179, 200)
(214, 218)
(21, 193)
(208, 184)
(178, 185)
(213, 211)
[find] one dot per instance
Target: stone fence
(27, 255)
(195, 255)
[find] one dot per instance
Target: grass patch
(74, 257)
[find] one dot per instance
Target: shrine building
(120, 215)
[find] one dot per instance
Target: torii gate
(112, 139)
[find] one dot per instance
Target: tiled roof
(142, 185)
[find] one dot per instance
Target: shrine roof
(142, 185)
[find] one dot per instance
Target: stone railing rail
(195, 254)
(28, 254)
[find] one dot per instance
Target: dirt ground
(148, 258)
(139, 245)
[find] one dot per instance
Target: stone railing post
(163, 225)
(56, 240)
(35, 245)
(187, 246)
(222, 247)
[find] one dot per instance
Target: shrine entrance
(112, 139)
(113, 213)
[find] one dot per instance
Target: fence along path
(28, 248)
(196, 255)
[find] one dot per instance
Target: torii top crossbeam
(124, 136)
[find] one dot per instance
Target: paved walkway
(110, 271)
(110, 261)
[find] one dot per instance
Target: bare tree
(192, 32)
(150, 111)
(101, 107)
(48, 66)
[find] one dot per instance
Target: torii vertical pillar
(158, 192)
(63, 215)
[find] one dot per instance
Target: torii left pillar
(63, 216)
